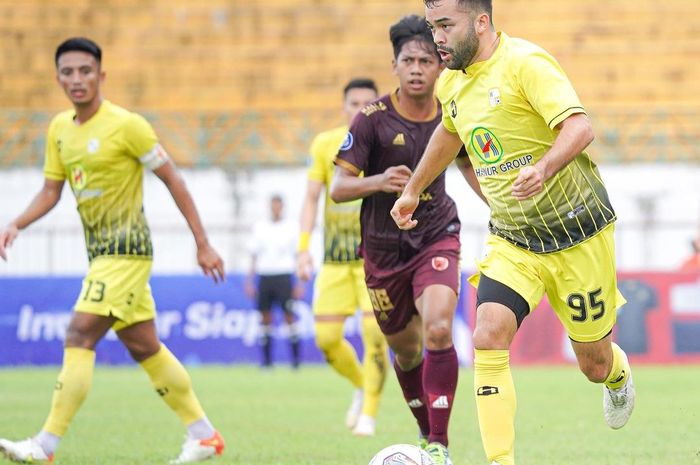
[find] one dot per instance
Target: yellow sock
(339, 353)
(620, 369)
(375, 364)
(171, 381)
(71, 388)
(495, 403)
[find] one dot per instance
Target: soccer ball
(401, 454)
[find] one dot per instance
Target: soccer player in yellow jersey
(511, 105)
(340, 285)
(102, 150)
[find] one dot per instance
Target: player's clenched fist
(403, 209)
(394, 178)
(530, 181)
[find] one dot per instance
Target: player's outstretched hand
(212, 265)
(395, 178)
(530, 181)
(7, 237)
(305, 265)
(402, 212)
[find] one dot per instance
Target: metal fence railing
(264, 138)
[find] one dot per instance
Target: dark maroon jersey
(381, 137)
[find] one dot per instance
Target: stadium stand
(248, 83)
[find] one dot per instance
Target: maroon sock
(411, 383)
(440, 383)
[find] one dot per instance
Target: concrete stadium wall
(658, 207)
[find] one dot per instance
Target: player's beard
(464, 52)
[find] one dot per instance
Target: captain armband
(155, 158)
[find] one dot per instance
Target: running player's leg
(71, 388)
(582, 288)
(334, 301)
(436, 306)
(396, 314)
(172, 382)
(435, 284)
(508, 288)
(407, 346)
(375, 362)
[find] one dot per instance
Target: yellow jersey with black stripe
(103, 161)
(341, 221)
(506, 110)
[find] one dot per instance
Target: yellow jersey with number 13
(103, 161)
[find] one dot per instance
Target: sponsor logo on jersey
(78, 177)
(93, 146)
(486, 145)
(399, 139)
(373, 107)
(440, 263)
(494, 97)
(575, 212)
(453, 109)
(347, 142)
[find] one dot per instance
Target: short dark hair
(409, 28)
(360, 83)
(79, 44)
(475, 5)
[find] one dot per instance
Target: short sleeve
(547, 88)
(442, 92)
(317, 169)
(53, 168)
(141, 141)
(354, 152)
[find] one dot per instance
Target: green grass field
(296, 418)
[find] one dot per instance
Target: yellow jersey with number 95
(506, 111)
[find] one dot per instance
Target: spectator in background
(273, 261)
(692, 263)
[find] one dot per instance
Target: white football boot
(366, 426)
(618, 404)
(27, 451)
(196, 450)
(353, 413)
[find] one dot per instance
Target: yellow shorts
(580, 282)
(340, 290)
(118, 287)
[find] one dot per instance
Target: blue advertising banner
(201, 322)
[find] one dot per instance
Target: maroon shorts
(394, 294)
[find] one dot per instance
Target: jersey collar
(474, 68)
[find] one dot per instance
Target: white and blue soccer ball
(401, 454)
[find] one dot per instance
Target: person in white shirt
(273, 261)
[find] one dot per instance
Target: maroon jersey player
(412, 276)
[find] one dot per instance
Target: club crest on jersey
(347, 142)
(453, 109)
(486, 145)
(494, 97)
(440, 263)
(78, 177)
(93, 145)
